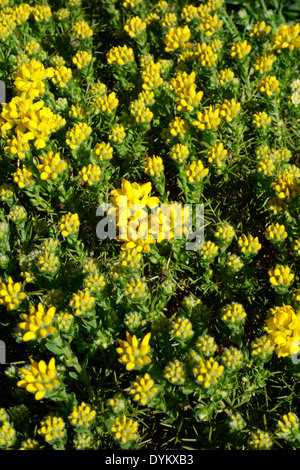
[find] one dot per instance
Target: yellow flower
(82, 30)
(177, 38)
(51, 166)
(175, 372)
(261, 119)
(120, 55)
(82, 416)
(90, 174)
(125, 429)
(286, 185)
(151, 76)
(154, 166)
(38, 322)
(205, 55)
(195, 171)
(281, 276)
(133, 354)
(208, 119)
(77, 134)
(105, 103)
(103, 151)
(259, 30)
(207, 372)
(265, 62)
(61, 75)
(225, 76)
(229, 109)
(276, 232)
(269, 85)
(210, 24)
(283, 328)
(10, 293)
(240, 49)
(24, 177)
(286, 37)
(69, 224)
(81, 59)
(39, 378)
(248, 244)
(82, 302)
(29, 78)
(52, 428)
(134, 26)
(217, 154)
(143, 389)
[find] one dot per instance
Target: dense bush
(134, 341)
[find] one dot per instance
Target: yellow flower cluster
(175, 372)
(103, 151)
(232, 358)
(233, 313)
(210, 24)
(69, 224)
(120, 55)
(259, 30)
(7, 432)
(209, 251)
(143, 389)
(140, 111)
(81, 59)
(262, 347)
(82, 302)
(124, 429)
(82, 30)
(206, 344)
(53, 428)
(283, 328)
(205, 54)
(136, 289)
(90, 174)
(240, 49)
(39, 378)
(260, 440)
(261, 119)
(208, 119)
(181, 329)
(269, 85)
(11, 294)
(286, 185)
(207, 372)
(187, 97)
(28, 79)
(134, 26)
(132, 353)
(287, 426)
(229, 109)
(61, 75)
(281, 276)
(22, 114)
(82, 416)
(276, 232)
(77, 134)
(195, 171)
(151, 75)
(177, 38)
(264, 63)
(38, 322)
(225, 76)
(248, 244)
(51, 166)
(286, 37)
(154, 166)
